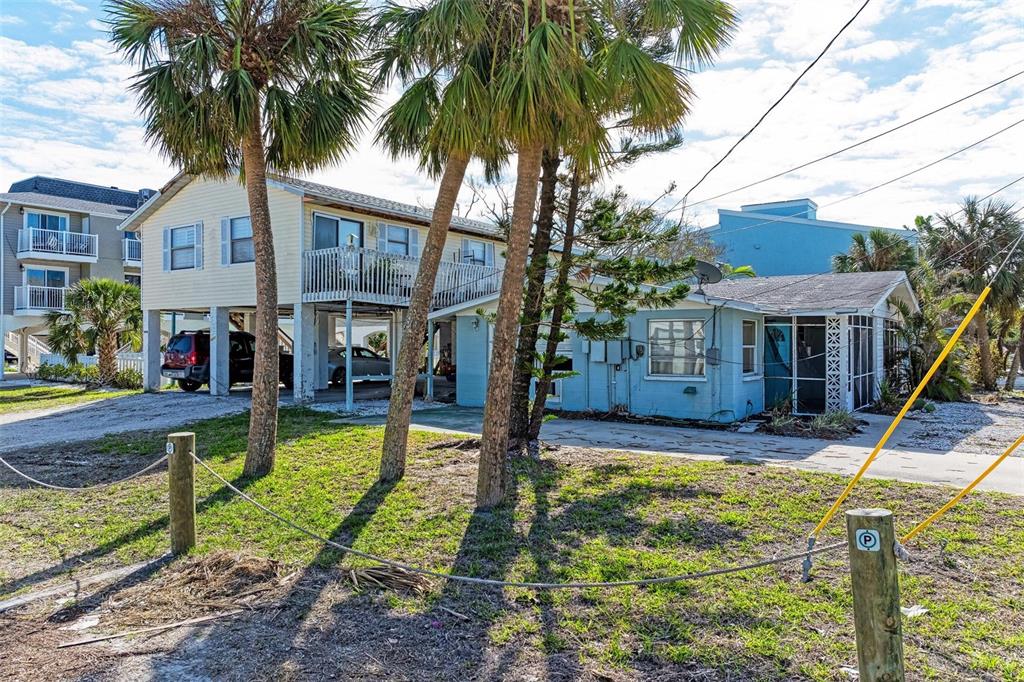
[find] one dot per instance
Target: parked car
(365, 363)
(10, 358)
(187, 360)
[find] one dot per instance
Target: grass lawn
(576, 515)
(20, 398)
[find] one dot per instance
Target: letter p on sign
(868, 540)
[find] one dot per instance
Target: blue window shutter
(414, 242)
(489, 254)
(199, 245)
(225, 241)
(167, 249)
(382, 237)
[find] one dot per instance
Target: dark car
(10, 358)
(187, 360)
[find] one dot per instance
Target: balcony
(131, 251)
(30, 300)
(75, 247)
(370, 276)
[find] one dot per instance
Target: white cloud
(96, 25)
(10, 20)
(69, 5)
(876, 50)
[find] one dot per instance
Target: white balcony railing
(131, 250)
(362, 274)
(57, 244)
(38, 299)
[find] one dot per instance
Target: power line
(854, 145)
(779, 100)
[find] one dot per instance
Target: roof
(788, 294)
(38, 200)
(85, 191)
(326, 193)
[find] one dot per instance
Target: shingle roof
(386, 205)
(794, 293)
(85, 191)
(66, 204)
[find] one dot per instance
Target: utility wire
(779, 100)
(852, 146)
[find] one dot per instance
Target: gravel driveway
(973, 427)
(168, 410)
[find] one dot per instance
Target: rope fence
(95, 486)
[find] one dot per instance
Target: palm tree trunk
(519, 418)
(259, 457)
(492, 474)
(403, 384)
(1011, 376)
(107, 351)
(988, 377)
(557, 312)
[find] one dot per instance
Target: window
(46, 277)
(676, 347)
(749, 346)
(183, 248)
(331, 231)
(474, 251)
(241, 241)
(46, 221)
(397, 240)
(128, 234)
(135, 280)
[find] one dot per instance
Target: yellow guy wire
(902, 413)
(963, 493)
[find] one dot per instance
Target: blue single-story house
(785, 237)
(728, 351)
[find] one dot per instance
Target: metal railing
(39, 298)
(57, 242)
(131, 250)
(358, 273)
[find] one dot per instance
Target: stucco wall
(780, 246)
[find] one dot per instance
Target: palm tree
(100, 314)
(442, 53)
(248, 85)
(575, 67)
(876, 251)
(971, 243)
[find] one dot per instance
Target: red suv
(187, 360)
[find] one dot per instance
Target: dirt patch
(627, 418)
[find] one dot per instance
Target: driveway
(902, 462)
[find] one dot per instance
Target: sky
(65, 111)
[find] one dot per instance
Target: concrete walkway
(842, 457)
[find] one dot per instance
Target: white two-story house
(343, 258)
(53, 233)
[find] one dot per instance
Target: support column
(151, 350)
(878, 340)
(349, 398)
(324, 323)
(23, 351)
(220, 344)
(429, 391)
(393, 342)
(249, 322)
(304, 346)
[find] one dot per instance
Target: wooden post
(876, 595)
(181, 480)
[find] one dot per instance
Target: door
(778, 360)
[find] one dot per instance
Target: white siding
(209, 200)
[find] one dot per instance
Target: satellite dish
(707, 273)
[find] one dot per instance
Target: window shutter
(199, 245)
(414, 242)
(167, 249)
(382, 237)
(225, 241)
(489, 254)
(464, 251)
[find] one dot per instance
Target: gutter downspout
(3, 288)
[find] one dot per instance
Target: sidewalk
(845, 457)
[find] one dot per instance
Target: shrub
(128, 378)
(75, 374)
(837, 424)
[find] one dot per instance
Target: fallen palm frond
(388, 578)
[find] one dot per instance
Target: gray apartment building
(53, 233)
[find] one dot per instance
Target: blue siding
(774, 246)
(471, 362)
